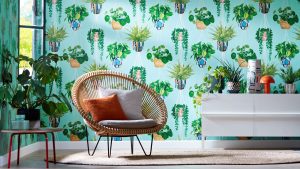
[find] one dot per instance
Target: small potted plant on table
(159, 56)
(233, 76)
(55, 35)
(264, 5)
(226, 7)
(201, 17)
(243, 54)
(163, 88)
(138, 35)
(181, 35)
(290, 77)
(243, 14)
(286, 51)
(96, 36)
(180, 5)
(96, 5)
(181, 73)
(117, 52)
(286, 17)
(75, 15)
(159, 15)
(117, 18)
(202, 52)
(77, 56)
(223, 35)
(265, 35)
(75, 131)
(197, 128)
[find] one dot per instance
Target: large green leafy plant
(160, 53)
(166, 132)
(202, 51)
(223, 34)
(286, 51)
(265, 34)
(76, 13)
(117, 15)
(163, 88)
(159, 14)
(289, 76)
(197, 127)
(139, 34)
(181, 72)
(226, 7)
(96, 36)
(76, 53)
(201, 17)
(286, 17)
(243, 14)
(181, 34)
(55, 34)
(242, 54)
(117, 52)
(268, 69)
(74, 129)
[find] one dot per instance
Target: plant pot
(180, 84)
(74, 63)
(159, 24)
(201, 62)
(74, 137)
(222, 46)
(233, 87)
(116, 25)
(158, 63)
(264, 7)
(200, 25)
(180, 36)
(137, 2)
(244, 24)
(137, 46)
(117, 62)
(264, 37)
(242, 62)
(54, 122)
(285, 61)
(75, 25)
(199, 136)
(96, 8)
(157, 137)
(96, 37)
(180, 112)
(284, 24)
(180, 8)
(54, 2)
(32, 115)
(54, 46)
(290, 88)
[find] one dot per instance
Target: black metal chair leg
(132, 143)
(143, 147)
(109, 147)
(88, 145)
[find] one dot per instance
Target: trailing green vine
(138, 73)
(142, 8)
(178, 110)
(184, 36)
(58, 80)
(265, 34)
(58, 7)
(226, 8)
(96, 35)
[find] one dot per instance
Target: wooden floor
(35, 160)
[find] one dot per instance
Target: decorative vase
(54, 46)
(290, 88)
(137, 46)
(284, 24)
(285, 61)
(222, 46)
(233, 87)
(253, 76)
(244, 24)
(180, 84)
(74, 137)
(200, 25)
(96, 36)
(116, 25)
(75, 25)
(180, 36)
(242, 62)
(158, 63)
(264, 37)
(159, 24)
(201, 61)
(117, 62)
(157, 137)
(54, 122)
(264, 7)
(74, 63)
(180, 8)
(96, 8)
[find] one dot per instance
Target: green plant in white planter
(286, 17)
(286, 51)
(226, 7)
(117, 18)
(197, 128)
(138, 73)
(181, 73)
(162, 88)
(243, 14)
(201, 17)
(96, 36)
(181, 110)
(75, 15)
(138, 35)
(180, 5)
(181, 35)
(77, 56)
(290, 77)
(58, 7)
(242, 54)
(202, 52)
(223, 34)
(142, 4)
(265, 35)
(96, 5)
(264, 5)
(117, 52)
(159, 55)
(159, 15)
(55, 35)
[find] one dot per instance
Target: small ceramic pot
(200, 25)
(265, 36)
(158, 63)
(284, 24)
(96, 37)
(244, 24)
(74, 137)
(201, 61)
(137, 46)
(54, 46)
(180, 36)
(54, 122)
(233, 87)
(117, 62)
(116, 25)
(159, 24)
(180, 8)
(75, 25)
(222, 46)
(264, 7)
(290, 88)
(285, 61)
(96, 8)
(157, 137)
(74, 63)
(180, 84)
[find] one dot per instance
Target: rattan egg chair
(153, 106)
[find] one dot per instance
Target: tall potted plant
(181, 73)
(163, 88)
(96, 5)
(75, 15)
(138, 73)
(181, 35)
(286, 17)
(138, 35)
(58, 7)
(142, 4)
(265, 35)
(159, 15)
(201, 17)
(197, 128)
(233, 76)
(77, 56)
(180, 5)
(181, 110)
(223, 35)
(75, 131)
(286, 51)
(163, 134)
(117, 52)
(117, 18)
(264, 5)
(243, 14)
(202, 52)
(159, 55)
(242, 54)
(96, 36)
(290, 77)
(226, 4)
(55, 35)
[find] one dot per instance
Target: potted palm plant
(55, 35)
(96, 5)
(138, 35)
(96, 36)
(202, 52)
(75, 131)
(163, 88)
(201, 17)
(264, 5)
(181, 73)
(75, 15)
(226, 4)
(117, 52)
(159, 55)
(197, 128)
(290, 77)
(233, 76)
(138, 73)
(142, 4)
(163, 134)
(180, 5)
(286, 17)
(58, 7)
(117, 18)
(242, 54)
(159, 15)
(243, 14)
(181, 35)
(286, 51)
(181, 110)
(223, 35)
(265, 35)
(77, 56)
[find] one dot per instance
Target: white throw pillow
(130, 100)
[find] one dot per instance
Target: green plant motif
(279, 89)
(287, 50)
(289, 76)
(226, 7)
(76, 53)
(96, 35)
(231, 73)
(202, 15)
(181, 34)
(285, 15)
(181, 71)
(118, 50)
(244, 53)
(117, 15)
(268, 69)
(142, 4)
(162, 88)
(202, 50)
(55, 34)
(166, 132)
(223, 33)
(197, 127)
(138, 73)
(76, 13)
(265, 34)
(160, 12)
(58, 8)
(243, 14)
(181, 110)
(58, 80)
(68, 88)
(94, 67)
(196, 94)
(75, 131)
(159, 53)
(139, 34)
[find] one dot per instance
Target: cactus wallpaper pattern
(171, 47)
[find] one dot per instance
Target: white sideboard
(251, 115)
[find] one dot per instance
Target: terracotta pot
(180, 84)
(180, 8)
(74, 63)
(180, 36)
(242, 62)
(222, 46)
(96, 8)
(54, 46)
(137, 46)
(264, 7)
(157, 137)
(54, 122)
(74, 137)
(290, 88)
(116, 25)
(200, 25)
(233, 87)
(158, 63)
(284, 24)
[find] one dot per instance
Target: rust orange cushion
(106, 108)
